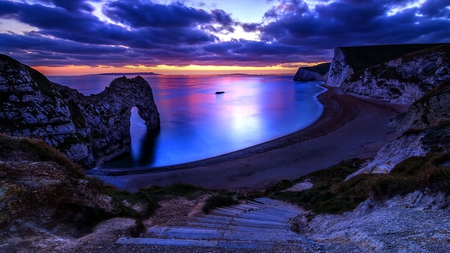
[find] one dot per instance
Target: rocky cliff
(402, 80)
(424, 126)
(315, 73)
(88, 129)
(349, 60)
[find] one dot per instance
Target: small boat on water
(219, 92)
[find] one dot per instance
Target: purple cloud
(149, 33)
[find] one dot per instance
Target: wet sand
(349, 127)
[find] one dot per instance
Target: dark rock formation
(413, 74)
(425, 128)
(88, 129)
(349, 60)
(430, 110)
(42, 190)
(402, 80)
(315, 73)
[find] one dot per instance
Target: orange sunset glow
(71, 70)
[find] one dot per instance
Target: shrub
(218, 200)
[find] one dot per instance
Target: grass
(22, 148)
(330, 194)
(138, 205)
(219, 200)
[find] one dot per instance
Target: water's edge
(275, 143)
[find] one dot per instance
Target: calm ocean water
(197, 124)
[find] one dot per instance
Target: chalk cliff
(349, 60)
(402, 80)
(315, 73)
(88, 129)
(424, 126)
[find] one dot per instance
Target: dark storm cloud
(252, 27)
(71, 5)
(149, 33)
(148, 14)
(354, 22)
(436, 8)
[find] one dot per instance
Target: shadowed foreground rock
(88, 129)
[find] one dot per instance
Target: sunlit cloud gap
(170, 70)
(270, 34)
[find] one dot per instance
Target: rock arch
(108, 114)
(88, 129)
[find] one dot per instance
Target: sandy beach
(349, 127)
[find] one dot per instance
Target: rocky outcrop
(403, 80)
(430, 110)
(349, 60)
(47, 204)
(425, 127)
(417, 222)
(340, 69)
(315, 73)
(392, 154)
(88, 129)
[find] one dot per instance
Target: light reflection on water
(197, 124)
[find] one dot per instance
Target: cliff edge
(88, 129)
(315, 73)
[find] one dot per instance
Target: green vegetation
(27, 149)
(219, 200)
(43, 83)
(71, 195)
(330, 194)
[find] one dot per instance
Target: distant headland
(124, 74)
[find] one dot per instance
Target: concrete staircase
(259, 224)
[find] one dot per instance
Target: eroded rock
(88, 129)
(403, 80)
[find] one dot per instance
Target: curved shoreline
(338, 134)
(309, 132)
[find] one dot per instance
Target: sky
(62, 37)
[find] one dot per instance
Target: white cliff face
(415, 222)
(308, 74)
(88, 129)
(428, 111)
(339, 69)
(403, 80)
(304, 74)
(425, 127)
(394, 153)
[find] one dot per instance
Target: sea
(197, 123)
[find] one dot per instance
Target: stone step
(274, 213)
(224, 212)
(258, 224)
(263, 217)
(247, 234)
(230, 244)
(238, 223)
(185, 233)
(231, 220)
